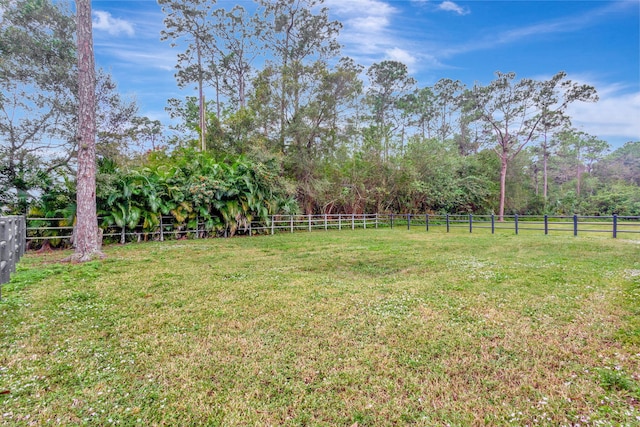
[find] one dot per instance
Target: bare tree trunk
(201, 102)
(503, 184)
(241, 92)
(545, 160)
(218, 113)
(283, 83)
(87, 232)
(283, 89)
(578, 179)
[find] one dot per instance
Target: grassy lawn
(374, 327)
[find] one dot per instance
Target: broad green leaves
(196, 191)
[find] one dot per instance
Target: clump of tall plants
(197, 191)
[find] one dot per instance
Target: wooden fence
(12, 245)
(614, 225)
(49, 229)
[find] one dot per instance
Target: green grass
(374, 327)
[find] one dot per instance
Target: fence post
(339, 221)
(325, 222)
(21, 236)
(4, 267)
(426, 217)
(291, 220)
(13, 242)
(24, 235)
(13, 228)
(4, 252)
(161, 229)
(493, 224)
(470, 223)
(408, 221)
(575, 225)
(273, 220)
(309, 222)
(376, 220)
(391, 220)
(364, 221)
(516, 222)
(353, 221)
(615, 226)
(546, 225)
(447, 223)
(250, 233)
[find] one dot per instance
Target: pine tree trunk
(546, 175)
(87, 233)
(201, 103)
(503, 185)
(241, 92)
(578, 179)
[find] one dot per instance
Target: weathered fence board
(12, 245)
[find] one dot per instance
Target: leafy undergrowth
(375, 327)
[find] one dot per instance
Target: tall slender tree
(237, 35)
(546, 146)
(582, 151)
(190, 21)
(87, 237)
(389, 83)
(550, 98)
(513, 112)
(299, 35)
(447, 102)
(420, 108)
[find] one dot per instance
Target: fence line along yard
(12, 245)
(57, 232)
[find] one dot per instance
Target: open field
(374, 327)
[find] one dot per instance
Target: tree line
(279, 110)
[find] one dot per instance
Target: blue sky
(595, 42)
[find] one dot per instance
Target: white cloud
(113, 26)
(615, 116)
(360, 7)
(367, 27)
(401, 55)
(370, 34)
(143, 55)
(450, 6)
(369, 24)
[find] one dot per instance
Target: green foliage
(55, 210)
(37, 63)
(195, 189)
(623, 165)
(620, 199)
(298, 133)
(443, 181)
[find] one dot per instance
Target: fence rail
(41, 230)
(12, 245)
